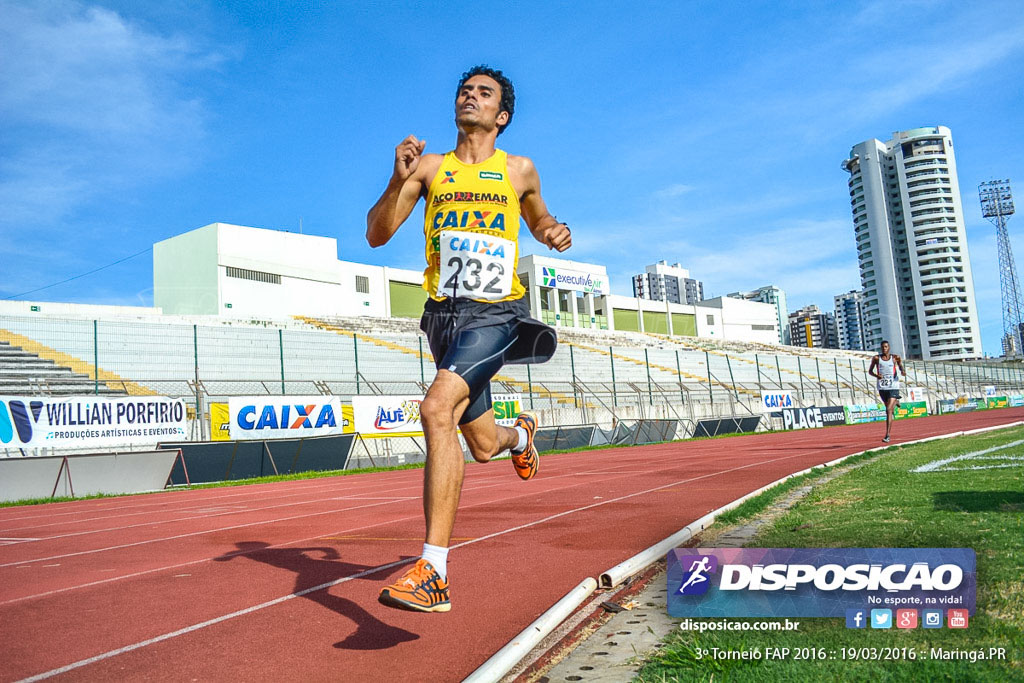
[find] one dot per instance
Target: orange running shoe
(527, 462)
(421, 589)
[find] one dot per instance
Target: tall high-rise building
(812, 328)
(770, 294)
(908, 224)
(661, 280)
(850, 320)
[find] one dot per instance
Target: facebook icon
(856, 618)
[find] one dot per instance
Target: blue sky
(708, 133)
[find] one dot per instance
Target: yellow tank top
(471, 204)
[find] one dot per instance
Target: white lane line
(196, 497)
(210, 622)
(209, 502)
(307, 591)
(306, 501)
(283, 545)
(193, 533)
(209, 531)
(936, 464)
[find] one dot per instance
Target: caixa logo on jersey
(816, 582)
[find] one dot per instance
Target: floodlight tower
(997, 206)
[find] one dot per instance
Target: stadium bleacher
(592, 369)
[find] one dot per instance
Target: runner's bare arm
(404, 188)
(545, 227)
(899, 364)
(871, 368)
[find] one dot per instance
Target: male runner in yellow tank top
(475, 318)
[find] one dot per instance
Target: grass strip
(884, 504)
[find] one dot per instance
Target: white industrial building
(234, 271)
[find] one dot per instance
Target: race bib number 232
(476, 266)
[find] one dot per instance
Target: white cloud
(92, 104)
(675, 190)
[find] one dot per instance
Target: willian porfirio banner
(89, 421)
(817, 582)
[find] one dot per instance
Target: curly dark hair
(508, 93)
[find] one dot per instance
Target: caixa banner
(284, 417)
(816, 582)
(89, 421)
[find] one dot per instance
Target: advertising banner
(908, 410)
(220, 422)
(997, 402)
(284, 417)
(817, 582)
(990, 390)
(1016, 401)
(961, 404)
(813, 417)
(860, 413)
(917, 394)
(772, 401)
(381, 416)
(90, 422)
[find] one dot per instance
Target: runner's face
(885, 349)
(478, 104)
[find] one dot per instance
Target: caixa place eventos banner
(816, 582)
(284, 417)
(90, 421)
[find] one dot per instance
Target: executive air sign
(575, 280)
(816, 582)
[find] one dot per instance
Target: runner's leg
(486, 439)
(442, 480)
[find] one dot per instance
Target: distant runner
(884, 367)
(476, 318)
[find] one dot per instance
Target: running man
(884, 367)
(475, 318)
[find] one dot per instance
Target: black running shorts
(474, 339)
(886, 394)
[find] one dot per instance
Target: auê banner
(283, 417)
(90, 421)
(817, 582)
(381, 416)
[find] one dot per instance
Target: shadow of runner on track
(371, 633)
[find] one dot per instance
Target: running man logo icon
(698, 567)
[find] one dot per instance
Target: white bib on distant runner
(475, 266)
(888, 381)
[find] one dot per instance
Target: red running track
(279, 581)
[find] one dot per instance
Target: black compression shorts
(474, 339)
(886, 394)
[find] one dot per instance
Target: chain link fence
(585, 383)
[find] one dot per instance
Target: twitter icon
(881, 618)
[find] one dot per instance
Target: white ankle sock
(437, 557)
(524, 438)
